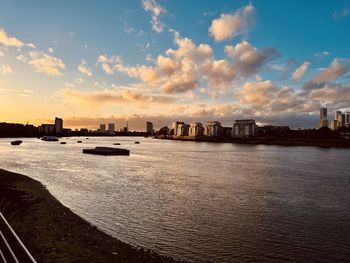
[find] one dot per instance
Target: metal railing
(11, 247)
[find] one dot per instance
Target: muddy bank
(53, 233)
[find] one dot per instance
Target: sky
(93, 62)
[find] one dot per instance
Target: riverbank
(53, 233)
(266, 141)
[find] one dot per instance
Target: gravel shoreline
(53, 233)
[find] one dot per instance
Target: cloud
(180, 82)
(156, 10)
(322, 54)
(108, 62)
(45, 63)
(231, 25)
(248, 59)
(341, 14)
(300, 71)
(112, 96)
(257, 94)
(336, 94)
(84, 69)
(219, 74)
(334, 71)
(6, 69)
(8, 41)
(188, 66)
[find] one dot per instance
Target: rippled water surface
(202, 202)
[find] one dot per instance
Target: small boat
(17, 142)
(63, 142)
(137, 142)
(107, 151)
(79, 141)
(116, 143)
(49, 138)
(87, 138)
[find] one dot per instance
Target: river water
(203, 202)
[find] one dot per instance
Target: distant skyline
(94, 62)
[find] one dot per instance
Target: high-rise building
(244, 128)
(102, 128)
(149, 128)
(58, 125)
(337, 116)
(342, 123)
(323, 118)
(334, 124)
(111, 127)
(347, 120)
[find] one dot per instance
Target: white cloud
(341, 14)
(84, 69)
(45, 63)
(8, 41)
(334, 71)
(20, 57)
(156, 10)
(231, 25)
(248, 59)
(322, 54)
(300, 71)
(28, 91)
(108, 62)
(5, 69)
(112, 96)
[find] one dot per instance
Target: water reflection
(202, 201)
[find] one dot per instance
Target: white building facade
(196, 129)
(213, 129)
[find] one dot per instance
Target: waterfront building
(338, 118)
(244, 128)
(182, 129)
(102, 128)
(347, 119)
(175, 126)
(342, 123)
(111, 127)
(213, 129)
(58, 125)
(46, 128)
(149, 128)
(227, 131)
(323, 118)
(196, 129)
(164, 131)
(334, 124)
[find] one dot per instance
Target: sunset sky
(88, 62)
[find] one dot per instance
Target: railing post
(11, 247)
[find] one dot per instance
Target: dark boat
(137, 142)
(79, 141)
(63, 142)
(17, 142)
(107, 151)
(116, 143)
(49, 138)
